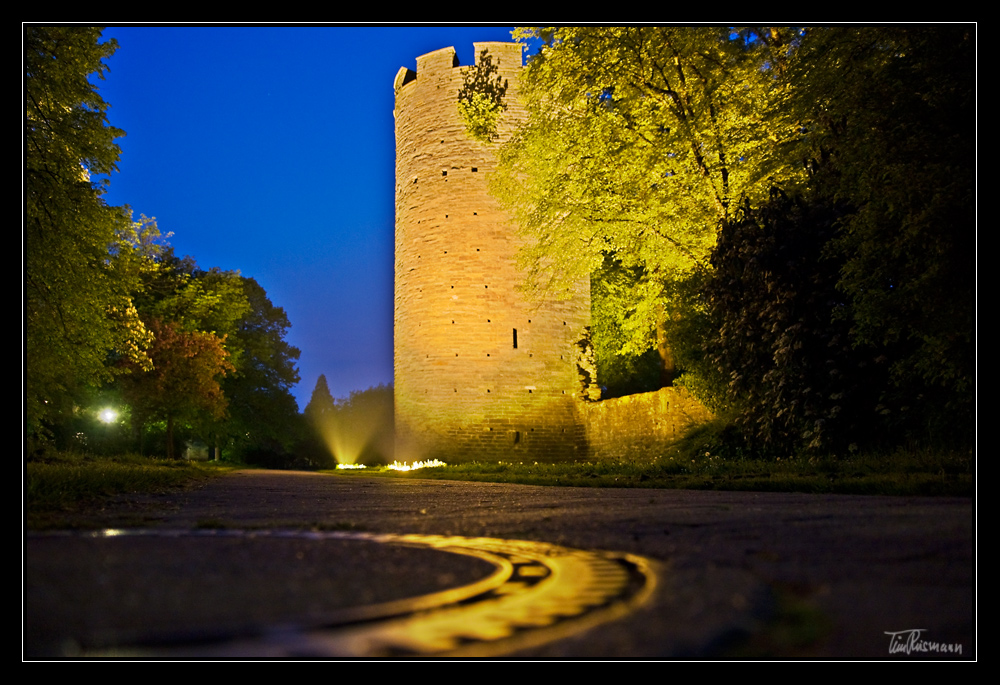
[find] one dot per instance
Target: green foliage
(80, 266)
(638, 142)
(894, 135)
(367, 416)
(98, 286)
(695, 465)
(240, 404)
(262, 411)
(842, 315)
(846, 317)
(320, 415)
(481, 98)
(321, 404)
(184, 381)
(627, 360)
(356, 430)
(795, 380)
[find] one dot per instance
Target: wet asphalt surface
(739, 575)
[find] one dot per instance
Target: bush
(782, 332)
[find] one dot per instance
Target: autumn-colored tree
(184, 381)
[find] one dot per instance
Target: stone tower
(480, 373)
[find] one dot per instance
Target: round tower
(479, 371)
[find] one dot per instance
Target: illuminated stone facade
(479, 372)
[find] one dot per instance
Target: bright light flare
(107, 415)
(397, 466)
(351, 466)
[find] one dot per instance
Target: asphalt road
(736, 574)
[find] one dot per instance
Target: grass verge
(693, 465)
(66, 482)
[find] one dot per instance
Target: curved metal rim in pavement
(538, 592)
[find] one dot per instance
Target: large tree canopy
(639, 141)
(840, 164)
(251, 405)
(78, 268)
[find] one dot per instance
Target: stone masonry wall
(639, 423)
(479, 372)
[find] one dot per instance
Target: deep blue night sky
(269, 150)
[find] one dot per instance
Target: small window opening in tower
(515, 337)
(475, 214)
(475, 169)
(444, 173)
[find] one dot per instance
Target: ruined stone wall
(479, 372)
(639, 424)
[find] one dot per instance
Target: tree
(79, 271)
(892, 125)
(362, 428)
(262, 410)
(638, 143)
(481, 98)
(642, 144)
(793, 378)
(358, 429)
(321, 404)
(261, 415)
(184, 381)
(613, 296)
(321, 416)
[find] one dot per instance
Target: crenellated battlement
(440, 63)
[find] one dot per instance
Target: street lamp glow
(107, 415)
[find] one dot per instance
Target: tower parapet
(479, 371)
